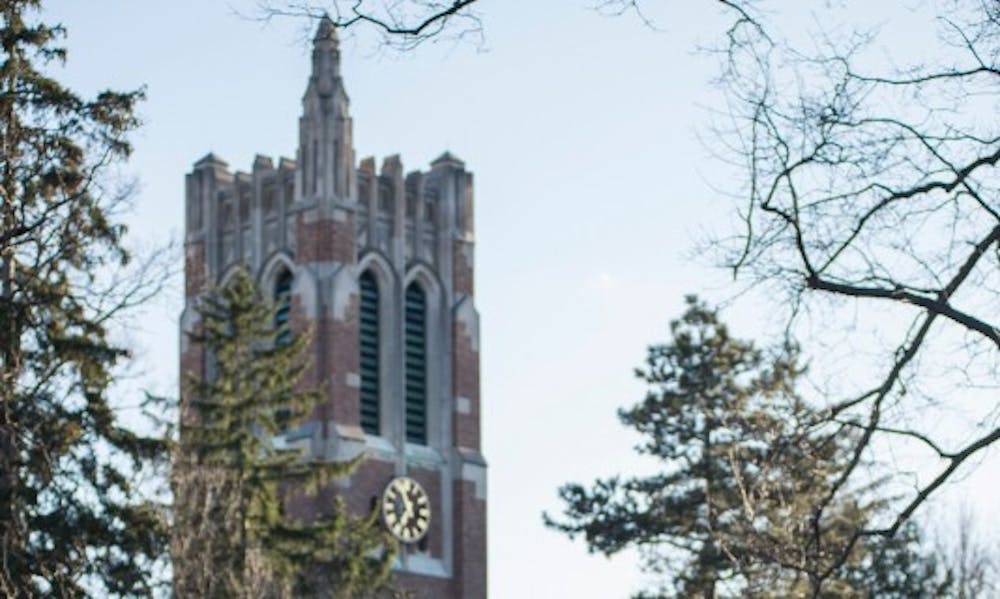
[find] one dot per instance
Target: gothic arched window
(416, 364)
(283, 307)
(369, 342)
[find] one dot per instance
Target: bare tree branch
(403, 24)
(876, 181)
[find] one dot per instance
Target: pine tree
(232, 480)
(899, 568)
(729, 513)
(712, 396)
(73, 518)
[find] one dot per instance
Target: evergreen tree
(233, 535)
(73, 519)
(897, 568)
(715, 402)
(729, 514)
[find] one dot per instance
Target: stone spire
(325, 57)
(326, 154)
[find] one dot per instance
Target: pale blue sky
(592, 188)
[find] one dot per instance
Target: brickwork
(326, 240)
(465, 373)
(313, 376)
(194, 268)
(192, 366)
(463, 273)
(342, 354)
(431, 481)
(366, 484)
(359, 491)
(426, 587)
(470, 533)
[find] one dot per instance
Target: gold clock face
(406, 509)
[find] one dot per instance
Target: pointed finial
(325, 56)
(447, 159)
(326, 31)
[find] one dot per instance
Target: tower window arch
(369, 346)
(283, 307)
(415, 318)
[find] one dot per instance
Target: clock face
(406, 509)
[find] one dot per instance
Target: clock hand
(407, 502)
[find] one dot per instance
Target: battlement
(247, 217)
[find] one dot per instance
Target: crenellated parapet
(244, 218)
(416, 214)
(239, 218)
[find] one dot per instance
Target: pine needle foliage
(74, 520)
(234, 478)
(729, 513)
(714, 401)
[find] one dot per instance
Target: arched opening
(416, 364)
(369, 344)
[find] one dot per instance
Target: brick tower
(380, 266)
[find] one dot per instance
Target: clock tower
(378, 264)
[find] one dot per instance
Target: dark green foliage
(897, 568)
(233, 535)
(72, 518)
(730, 512)
(714, 404)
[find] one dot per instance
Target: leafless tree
(872, 183)
(971, 558)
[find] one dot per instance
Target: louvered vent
(369, 353)
(416, 365)
(283, 307)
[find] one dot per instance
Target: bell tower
(378, 263)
